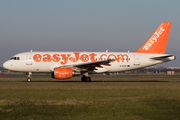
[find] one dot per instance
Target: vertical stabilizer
(157, 42)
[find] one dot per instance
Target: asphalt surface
(79, 82)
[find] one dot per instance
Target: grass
(87, 101)
(95, 78)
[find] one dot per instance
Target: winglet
(157, 42)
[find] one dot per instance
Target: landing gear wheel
(28, 79)
(86, 79)
(82, 79)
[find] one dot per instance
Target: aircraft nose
(6, 65)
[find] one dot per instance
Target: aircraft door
(136, 59)
(28, 59)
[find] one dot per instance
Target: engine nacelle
(62, 73)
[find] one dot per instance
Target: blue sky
(85, 25)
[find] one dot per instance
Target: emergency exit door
(136, 60)
(28, 59)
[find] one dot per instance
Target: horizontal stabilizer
(164, 57)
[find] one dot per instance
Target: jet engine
(63, 73)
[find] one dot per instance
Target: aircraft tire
(86, 79)
(82, 79)
(28, 79)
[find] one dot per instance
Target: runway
(98, 82)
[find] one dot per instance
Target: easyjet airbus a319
(64, 65)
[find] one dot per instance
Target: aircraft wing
(92, 65)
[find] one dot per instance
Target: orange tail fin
(157, 42)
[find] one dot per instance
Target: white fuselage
(47, 61)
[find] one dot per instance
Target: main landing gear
(85, 79)
(29, 77)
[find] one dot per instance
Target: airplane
(65, 65)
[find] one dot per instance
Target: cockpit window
(15, 58)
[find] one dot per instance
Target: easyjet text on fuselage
(77, 56)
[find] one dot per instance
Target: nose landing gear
(29, 76)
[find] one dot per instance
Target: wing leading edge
(93, 65)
